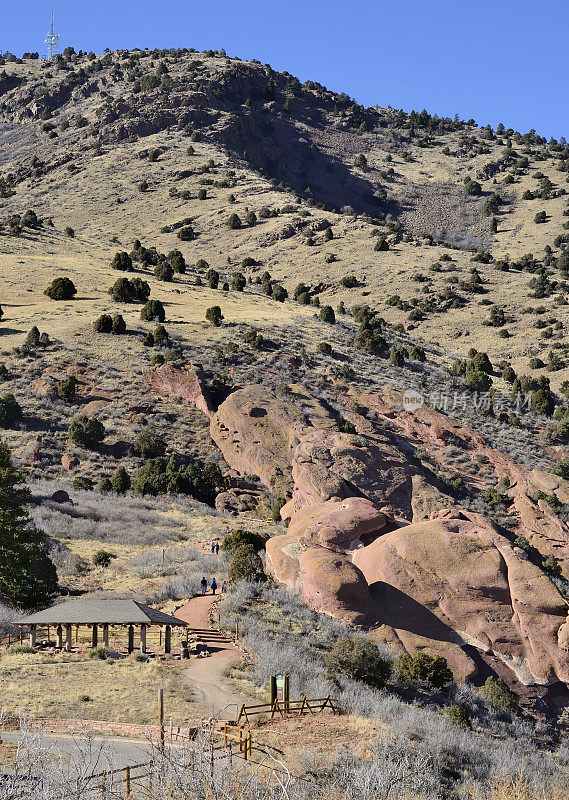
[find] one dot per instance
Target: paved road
(99, 753)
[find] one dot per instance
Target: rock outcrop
(455, 579)
(187, 383)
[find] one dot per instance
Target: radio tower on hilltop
(52, 39)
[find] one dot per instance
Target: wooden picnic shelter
(101, 615)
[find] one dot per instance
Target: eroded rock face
(448, 581)
(330, 464)
(256, 432)
(457, 579)
(185, 382)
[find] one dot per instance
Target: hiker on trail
(204, 585)
(217, 548)
(213, 585)
(212, 547)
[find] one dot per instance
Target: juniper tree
(27, 575)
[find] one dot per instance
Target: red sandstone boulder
(69, 462)
(458, 580)
(187, 383)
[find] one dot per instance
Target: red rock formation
(185, 382)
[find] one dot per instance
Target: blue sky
(501, 61)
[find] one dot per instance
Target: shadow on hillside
(281, 151)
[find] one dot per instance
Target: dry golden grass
(124, 691)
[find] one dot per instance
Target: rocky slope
(442, 527)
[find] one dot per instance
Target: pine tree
(27, 575)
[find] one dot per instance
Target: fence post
(161, 718)
(127, 780)
(103, 785)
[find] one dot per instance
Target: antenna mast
(52, 39)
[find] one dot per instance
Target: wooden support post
(161, 718)
(68, 638)
(60, 637)
(106, 634)
(236, 632)
(273, 688)
(47, 637)
(127, 780)
(76, 634)
(130, 638)
(286, 689)
(143, 638)
(32, 635)
(168, 639)
(95, 636)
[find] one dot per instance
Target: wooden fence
(289, 707)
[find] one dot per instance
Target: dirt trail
(205, 675)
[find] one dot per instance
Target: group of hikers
(213, 584)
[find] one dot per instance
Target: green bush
(459, 716)
(358, 659)
(327, 315)
(120, 481)
(214, 315)
(348, 281)
(212, 277)
(202, 481)
(105, 486)
(279, 293)
(186, 234)
(497, 693)
(473, 188)
(122, 261)
(240, 537)
(10, 411)
(153, 310)
(246, 565)
(21, 648)
(82, 483)
(157, 360)
(66, 389)
(149, 444)
(133, 290)
(160, 336)
(276, 508)
(202, 194)
(86, 432)
(177, 261)
(423, 669)
(100, 653)
(251, 218)
(551, 565)
(61, 289)
(540, 217)
(238, 282)
(119, 325)
(103, 558)
(397, 356)
(234, 222)
(103, 324)
(164, 271)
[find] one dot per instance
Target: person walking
(217, 548)
(213, 585)
(212, 547)
(203, 585)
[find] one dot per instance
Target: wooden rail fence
(289, 707)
